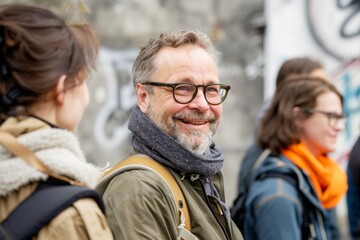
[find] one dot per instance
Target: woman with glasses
(297, 182)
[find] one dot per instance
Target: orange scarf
(328, 179)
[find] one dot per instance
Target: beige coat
(60, 151)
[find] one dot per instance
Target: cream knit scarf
(58, 149)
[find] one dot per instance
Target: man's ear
(59, 90)
(143, 97)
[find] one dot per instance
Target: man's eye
(212, 89)
(185, 88)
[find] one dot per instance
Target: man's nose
(199, 102)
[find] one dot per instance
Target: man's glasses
(186, 92)
(333, 118)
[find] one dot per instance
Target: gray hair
(145, 64)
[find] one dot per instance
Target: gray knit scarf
(150, 140)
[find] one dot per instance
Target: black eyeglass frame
(330, 115)
(174, 85)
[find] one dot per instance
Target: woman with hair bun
(44, 67)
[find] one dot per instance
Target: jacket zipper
(219, 209)
(322, 226)
(213, 211)
(318, 215)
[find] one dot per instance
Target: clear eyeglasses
(333, 118)
(184, 93)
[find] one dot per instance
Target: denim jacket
(274, 207)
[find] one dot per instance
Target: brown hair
(296, 66)
(145, 63)
(278, 129)
(38, 48)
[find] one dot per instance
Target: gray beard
(196, 142)
(198, 147)
(147, 138)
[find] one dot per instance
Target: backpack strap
(142, 161)
(260, 159)
(237, 210)
(48, 200)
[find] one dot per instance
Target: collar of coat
(58, 149)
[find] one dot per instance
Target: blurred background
(254, 36)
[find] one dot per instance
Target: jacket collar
(280, 164)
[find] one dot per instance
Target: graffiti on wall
(110, 128)
(328, 31)
(347, 79)
(342, 40)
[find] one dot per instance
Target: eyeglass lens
(214, 94)
(335, 119)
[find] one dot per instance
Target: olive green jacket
(140, 205)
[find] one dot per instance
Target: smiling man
(179, 108)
